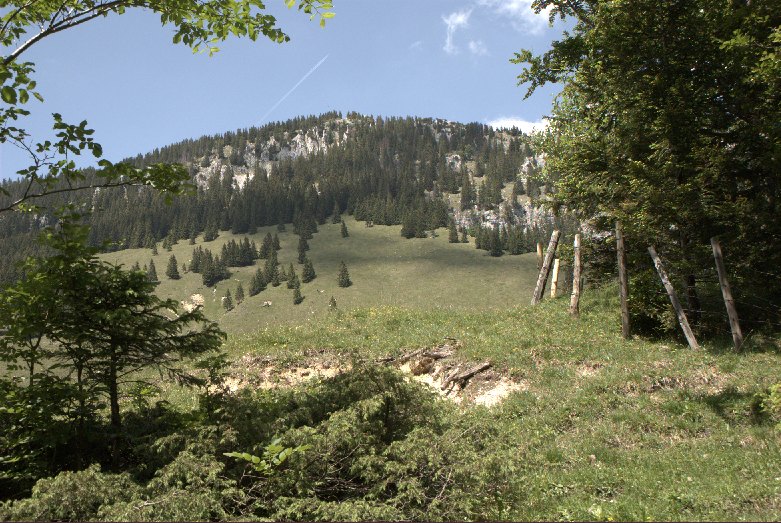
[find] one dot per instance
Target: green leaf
(8, 94)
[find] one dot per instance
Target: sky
(430, 58)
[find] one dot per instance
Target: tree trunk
(116, 419)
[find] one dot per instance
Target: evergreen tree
(257, 283)
(135, 267)
(297, 298)
(345, 234)
(464, 238)
(281, 226)
(275, 281)
(172, 271)
(308, 272)
(151, 273)
(453, 232)
(276, 242)
(227, 301)
(344, 277)
(154, 249)
(332, 303)
(495, 242)
(303, 246)
(292, 278)
(336, 214)
(239, 294)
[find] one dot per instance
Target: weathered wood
(623, 281)
(574, 302)
(460, 377)
(554, 281)
(539, 255)
(684, 323)
(726, 292)
(545, 269)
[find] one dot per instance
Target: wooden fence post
(684, 323)
(539, 255)
(574, 302)
(623, 281)
(545, 269)
(554, 281)
(734, 324)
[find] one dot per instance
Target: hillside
(386, 270)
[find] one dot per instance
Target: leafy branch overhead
(198, 25)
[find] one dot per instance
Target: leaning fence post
(545, 269)
(554, 281)
(734, 324)
(539, 255)
(687, 331)
(574, 302)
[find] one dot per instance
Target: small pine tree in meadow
(464, 238)
(154, 249)
(308, 272)
(281, 226)
(227, 301)
(184, 267)
(275, 281)
(135, 267)
(297, 298)
(192, 239)
(453, 232)
(332, 303)
(172, 271)
(151, 273)
(344, 277)
(303, 246)
(239, 293)
(345, 234)
(337, 214)
(258, 283)
(495, 242)
(292, 278)
(277, 247)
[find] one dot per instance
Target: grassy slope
(385, 268)
(608, 429)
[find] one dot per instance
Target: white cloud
(417, 44)
(453, 21)
(478, 48)
(519, 13)
(507, 122)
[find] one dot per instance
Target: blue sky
(439, 58)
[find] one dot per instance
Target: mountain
(423, 171)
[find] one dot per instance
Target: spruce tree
(344, 277)
(495, 242)
(345, 234)
(332, 303)
(281, 226)
(308, 272)
(292, 278)
(453, 232)
(275, 281)
(464, 238)
(258, 283)
(337, 213)
(154, 249)
(297, 298)
(303, 246)
(239, 293)
(275, 243)
(151, 273)
(172, 271)
(227, 301)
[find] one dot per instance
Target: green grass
(608, 429)
(386, 270)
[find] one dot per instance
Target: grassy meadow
(386, 270)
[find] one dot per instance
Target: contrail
(307, 75)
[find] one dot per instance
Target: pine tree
(276, 242)
(495, 242)
(135, 267)
(345, 234)
(154, 249)
(332, 303)
(297, 298)
(308, 272)
(239, 294)
(464, 238)
(281, 226)
(227, 301)
(344, 276)
(337, 213)
(172, 271)
(258, 283)
(275, 281)
(453, 232)
(303, 246)
(292, 278)
(151, 273)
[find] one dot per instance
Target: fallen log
(460, 378)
